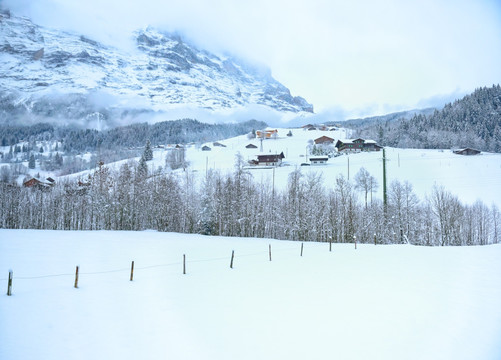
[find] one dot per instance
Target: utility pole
(385, 197)
(348, 157)
(273, 188)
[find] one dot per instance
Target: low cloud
(382, 53)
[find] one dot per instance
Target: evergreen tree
(31, 162)
(58, 159)
(142, 168)
(148, 152)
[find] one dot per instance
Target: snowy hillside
(422, 168)
(47, 73)
(375, 302)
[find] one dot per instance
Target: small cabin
(39, 184)
(251, 146)
(324, 140)
(218, 144)
(319, 160)
(267, 134)
(206, 148)
(357, 145)
(270, 160)
(467, 151)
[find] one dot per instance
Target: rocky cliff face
(50, 73)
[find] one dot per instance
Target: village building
(324, 140)
(251, 146)
(467, 151)
(357, 145)
(267, 134)
(268, 160)
(318, 160)
(218, 144)
(39, 184)
(206, 148)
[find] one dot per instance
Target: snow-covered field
(470, 178)
(375, 302)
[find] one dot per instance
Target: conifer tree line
(310, 208)
(75, 140)
(473, 121)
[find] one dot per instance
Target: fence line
(263, 253)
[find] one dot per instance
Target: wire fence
(183, 263)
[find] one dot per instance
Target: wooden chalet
(39, 184)
(357, 145)
(317, 160)
(270, 160)
(206, 148)
(324, 140)
(218, 144)
(467, 151)
(266, 134)
(251, 146)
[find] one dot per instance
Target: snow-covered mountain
(48, 73)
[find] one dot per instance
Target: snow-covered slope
(48, 73)
(423, 168)
(376, 302)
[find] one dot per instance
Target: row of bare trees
(234, 204)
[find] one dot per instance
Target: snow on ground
(471, 178)
(375, 302)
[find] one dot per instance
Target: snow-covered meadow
(373, 302)
(470, 178)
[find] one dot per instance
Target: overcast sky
(354, 58)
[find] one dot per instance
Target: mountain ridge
(47, 73)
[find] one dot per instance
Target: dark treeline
(473, 121)
(236, 205)
(75, 140)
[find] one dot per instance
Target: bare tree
(347, 200)
(449, 213)
(495, 224)
(366, 183)
(176, 158)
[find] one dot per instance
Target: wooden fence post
(132, 271)
(232, 256)
(330, 243)
(301, 249)
(184, 264)
(76, 278)
(9, 284)
(269, 250)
